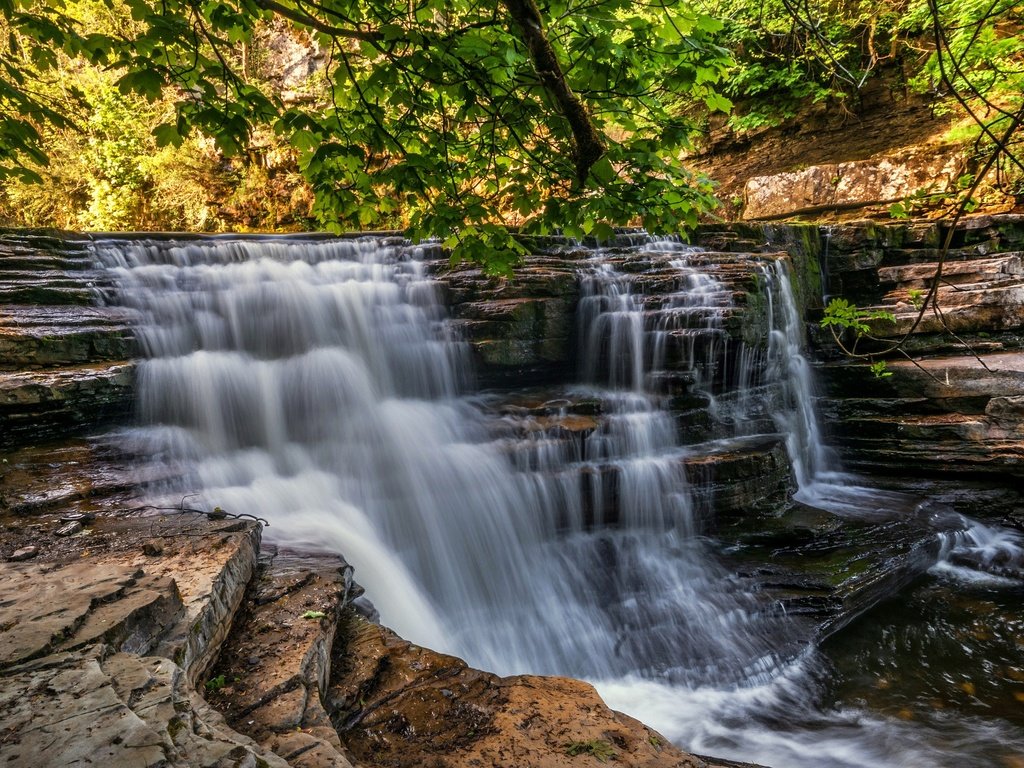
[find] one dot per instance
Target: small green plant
(880, 370)
(314, 615)
(916, 296)
(843, 315)
(899, 211)
(214, 684)
(600, 750)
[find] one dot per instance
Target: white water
(319, 386)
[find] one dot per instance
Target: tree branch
(589, 142)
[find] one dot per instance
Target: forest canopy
(447, 118)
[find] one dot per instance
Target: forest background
(466, 120)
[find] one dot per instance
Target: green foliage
(789, 54)
(879, 369)
(314, 615)
(438, 117)
(214, 684)
(597, 748)
(843, 315)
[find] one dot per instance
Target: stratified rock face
(957, 412)
(950, 415)
(856, 184)
(398, 704)
(954, 412)
(64, 363)
(520, 329)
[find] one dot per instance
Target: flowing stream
(319, 384)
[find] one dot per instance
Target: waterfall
(318, 384)
(794, 416)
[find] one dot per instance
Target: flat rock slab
(112, 710)
(45, 607)
(166, 585)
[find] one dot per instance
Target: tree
(449, 118)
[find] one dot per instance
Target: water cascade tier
(607, 525)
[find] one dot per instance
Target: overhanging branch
(589, 143)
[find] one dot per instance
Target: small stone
(153, 548)
(25, 553)
(70, 529)
(83, 517)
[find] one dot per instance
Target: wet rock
(70, 529)
(49, 402)
(398, 704)
(80, 517)
(278, 662)
(25, 553)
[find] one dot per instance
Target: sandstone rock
(402, 705)
(278, 662)
(92, 707)
(883, 179)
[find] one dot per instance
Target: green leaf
(146, 82)
(167, 135)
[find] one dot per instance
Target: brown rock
(153, 548)
(401, 705)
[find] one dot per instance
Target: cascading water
(318, 385)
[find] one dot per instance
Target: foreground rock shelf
(108, 635)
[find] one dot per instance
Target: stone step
(41, 337)
(33, 261)
(45, 292)
(1009, 266)
(894, 258)
(50, 402)
(975, 308)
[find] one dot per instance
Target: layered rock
(880, 180)
(104, 632)
(64, 363)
